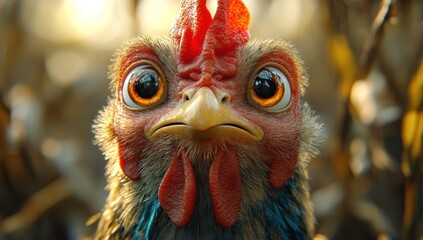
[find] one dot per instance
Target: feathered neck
(280, 216)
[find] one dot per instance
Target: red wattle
(281, 170)
(130, 165)
(225, 188)
(178, 189)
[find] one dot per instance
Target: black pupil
(264, 86)
(147, 84)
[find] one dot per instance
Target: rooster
(205, 134)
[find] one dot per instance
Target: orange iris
(146, 87)
(276, 92)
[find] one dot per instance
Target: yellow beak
(204, 116)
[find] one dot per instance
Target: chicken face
(207, 122)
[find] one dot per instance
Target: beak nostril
(226, 99)
(221, 96)
(186, 96)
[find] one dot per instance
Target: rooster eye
(270, 89)
(143, 87)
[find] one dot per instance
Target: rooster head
(206, 121)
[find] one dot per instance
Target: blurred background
(364, 58)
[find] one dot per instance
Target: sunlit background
(365, 63)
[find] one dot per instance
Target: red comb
(190, 28)
(229, 28)
(194, 30)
